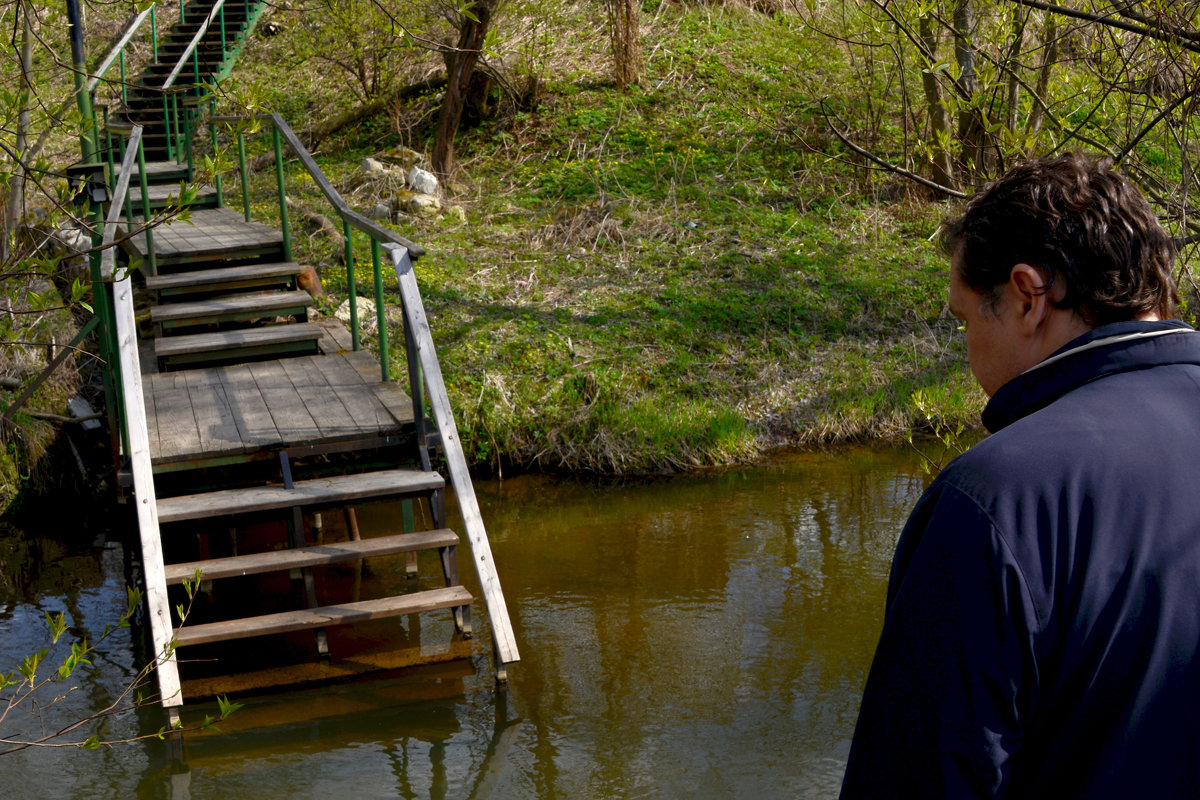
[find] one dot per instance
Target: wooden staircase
(145, 98)
(223, 294)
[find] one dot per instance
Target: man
(1042, 629)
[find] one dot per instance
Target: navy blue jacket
(1042, 629)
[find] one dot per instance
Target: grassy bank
(675, 276)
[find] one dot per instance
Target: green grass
(673, 277)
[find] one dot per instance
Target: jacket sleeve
(942, 711)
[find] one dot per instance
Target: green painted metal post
(124, 89)
(241, 140)
(380, 316)
(212, 130)
(154, 30)
(141, 159)
(167, 120)
(88, 143)
(224, 52)
(283, 212)
(351, 288)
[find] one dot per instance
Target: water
(703, 636)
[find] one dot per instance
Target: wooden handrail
(117, 48)
(191, 48)
(138, 443)
(456, 462)
(353, 218)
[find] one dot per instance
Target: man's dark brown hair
(1080, 222)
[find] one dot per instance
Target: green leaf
(29, 665)
(58, 625)
(227, 707)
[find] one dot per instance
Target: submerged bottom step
(324, 616)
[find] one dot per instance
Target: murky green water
(703, 636)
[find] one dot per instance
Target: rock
(422, 181)
(367, 321)
(456, 214)
(424, 205)
(381, 211)
(403, 157)
(371, 165)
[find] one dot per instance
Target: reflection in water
(702, 636)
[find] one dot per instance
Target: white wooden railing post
(481, 551)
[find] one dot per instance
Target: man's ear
(1028, 287)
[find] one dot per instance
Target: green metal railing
(171, 109)
(117, 53)
(378, 235)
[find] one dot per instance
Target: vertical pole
(178, 130)
(350, 287)
(167, 128)
(141, 157)
(124, 86)
(212, 130)
(154, 30)
(380, 316)
(241, 140)
(283, 212)
(87, 139)
(223, 51)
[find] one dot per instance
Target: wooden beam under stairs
(312, 556)
(324, 616)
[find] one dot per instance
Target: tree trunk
(1050, 50)
(939, 120)
(1013, 93)
(970, 123)
(625, 35)
(471, 35)
(12, 206)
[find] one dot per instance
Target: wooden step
(163, 172)
(343, 489)
(313, 556)
(160, 195)
(232, 308)
(219, 344)
(216, 280)
(324, 616)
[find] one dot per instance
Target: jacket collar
(1118, 347)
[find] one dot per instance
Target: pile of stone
(395, 182)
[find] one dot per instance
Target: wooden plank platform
(346, 489)
(210, 234)
(266, 410)
(316, 555)
(324, 617)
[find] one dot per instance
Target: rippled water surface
(701, 636)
